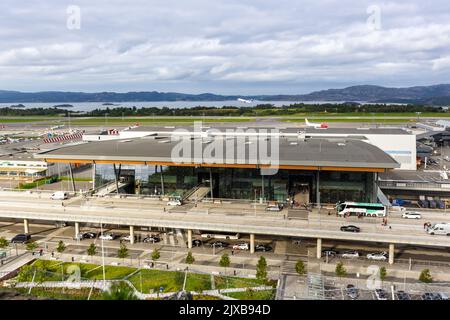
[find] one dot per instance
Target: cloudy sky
(222, 46)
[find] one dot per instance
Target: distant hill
(433, 95)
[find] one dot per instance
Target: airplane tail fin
(307, 122)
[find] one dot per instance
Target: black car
(352, 292)
(350, 229)
(21, 238)
(151, 239)
(219, 244)
(89, 235)
(197, 242)
(402, 295)
(262, 247)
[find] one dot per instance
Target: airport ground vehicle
(330, 253)
(440, 228)
(197, 242)
(59, 195)
(174, 202)
(361, 208)
(350, 228)
(21, 238)
(402, 295)
(127, 238)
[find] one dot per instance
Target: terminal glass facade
(237, 183)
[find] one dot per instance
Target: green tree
(261, 269)
(383, 273)
(300, 268)
(61, 247)
(340, 270)
(123, 251)
(190, 258)
(120, 291)
(155, 255)
(225, 262)
(425, 276)
(92, 250)
(32, 245)
(3, 242)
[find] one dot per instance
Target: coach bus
(361, 208)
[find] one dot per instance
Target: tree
(120, 291)
(340, 270)
(155, 255)
(425, 276)
(123, 251)
(32, 245)
(190, 258)
(92, 250)
(61, 247)
(300, 268)
(3, 242)
(383, 273)
(225, 261)
(261, 269)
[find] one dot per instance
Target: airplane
(322, 125)
(244, 100)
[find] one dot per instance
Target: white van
(59, 195)
(440, 228)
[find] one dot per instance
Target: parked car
(431, 296)
(241, 246)
(127, 238)
(89, 235)
(59, 195)
(197, 242)
(402, 295)
(274, 207)
(381, 294)
(443, 295)
(411, 215)
(350, 228)
(381, 256)
(263, 247)
(107, 236)
(352, 292)
(174, 202)
(21, 238)
(350, 254)
(219, 244)
(330, 253)
(151, 239)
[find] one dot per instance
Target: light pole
(103, 254)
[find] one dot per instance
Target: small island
(63, 106)
(18, 106)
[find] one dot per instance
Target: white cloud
(218, 45)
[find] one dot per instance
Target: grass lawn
(88, 271)
(362, 120)
(253, 295)
(155, 121)
(63, 293)
(171, 281)
(233, 282)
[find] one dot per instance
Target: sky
(222, 46)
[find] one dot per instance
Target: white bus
(357, 208)
(211, 235)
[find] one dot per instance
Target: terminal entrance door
(300, 187)
(204, 179)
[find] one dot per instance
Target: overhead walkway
(110, 188)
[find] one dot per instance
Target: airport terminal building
(306, 168)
